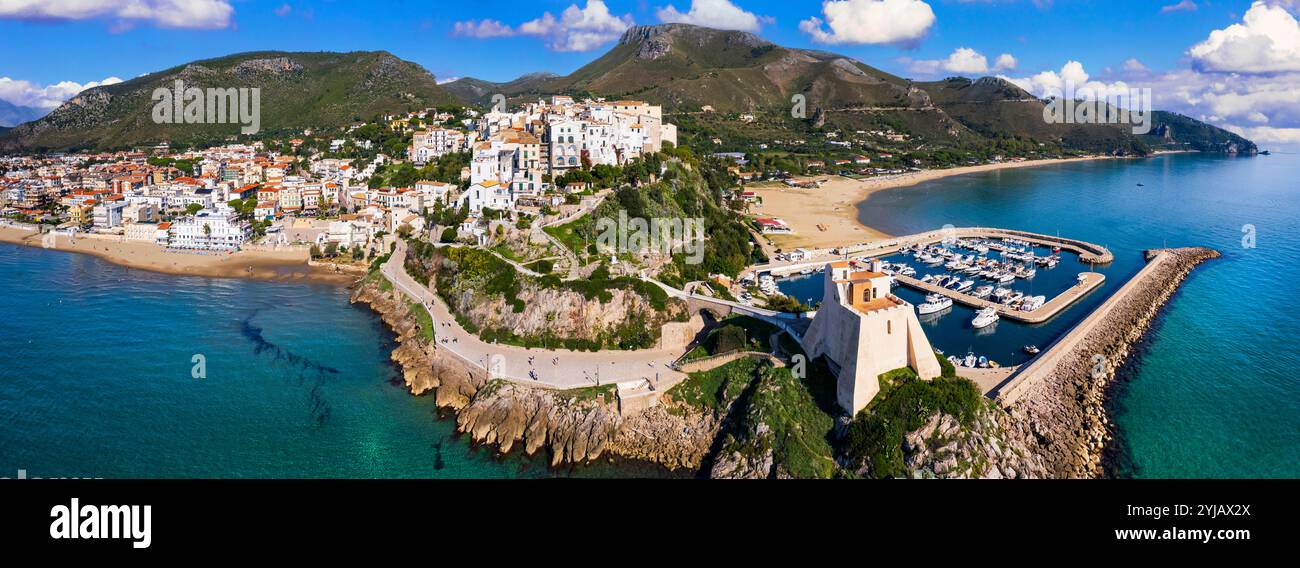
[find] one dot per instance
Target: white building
(109, 214)
(210, 229)
(864, 331)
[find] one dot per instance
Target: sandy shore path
(262, 265)
(828, 216)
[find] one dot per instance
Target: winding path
(554, 368)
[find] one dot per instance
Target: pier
(1048, 311)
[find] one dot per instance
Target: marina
(1038, 279)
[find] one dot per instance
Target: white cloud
(1071, 78)
(963, 61)
(283, 10)
(448, 80)
(720, 14)
(900, 22)
(1132, 65)
(1184, 6)
(190, 14)
(483, 29)
(1005, 62)
(1263, 108)
(26, 93)
(1267, 41)
(577, 29)
(1267, 134)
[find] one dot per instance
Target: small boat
(1032, 349)
(806, 271)
(983, 362)
(965, 285)
(934, 304)
(1007, 278)
(970, 361)
(1083, 278)
(985, 318)
(983, 292)
(994, 364)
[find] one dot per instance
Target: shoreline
(569, 430)
(278, 266)
(827, 217)
(1062, 398)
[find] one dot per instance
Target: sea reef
(1063, 410)
(570, 426)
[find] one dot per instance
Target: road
(574, 369)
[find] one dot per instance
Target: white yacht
(1031, 304)
(985, 318)
(934, 303)
(983, 292)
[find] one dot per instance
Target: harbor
(950, 276)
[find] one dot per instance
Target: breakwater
(1059, 399)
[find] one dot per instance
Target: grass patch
(713, 390)
(570, 234)
(903, 405)
(424, 320)
(586, 394)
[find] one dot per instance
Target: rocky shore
(570, 426)
(1063, 412)
(944, 449)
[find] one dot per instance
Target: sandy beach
(261, 265)
(828, 217)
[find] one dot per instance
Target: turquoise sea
(96, 359)
(96, 380)
(1215, 389)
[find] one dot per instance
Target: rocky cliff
(988, 449)
(570, 426)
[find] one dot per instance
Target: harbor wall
(1060, 397)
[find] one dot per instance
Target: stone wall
(1060, 399)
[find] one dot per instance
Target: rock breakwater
(1059, 402)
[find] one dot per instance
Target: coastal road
(557, 369)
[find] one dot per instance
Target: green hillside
(298, 90)
(687, 68)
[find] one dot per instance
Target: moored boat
(985, 318)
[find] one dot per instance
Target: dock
(1048, 311)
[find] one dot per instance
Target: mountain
(319, 90)
(685, 68)
(13, 115)
(480, 92)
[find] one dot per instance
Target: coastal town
(223, 198)
(627, 264)
(639, 243)
(518, 191)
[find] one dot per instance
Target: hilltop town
(222, 198)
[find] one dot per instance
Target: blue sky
(54, 47)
